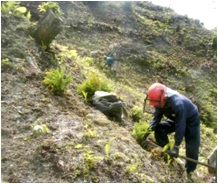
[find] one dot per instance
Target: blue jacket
(180, 110)
(109, 60)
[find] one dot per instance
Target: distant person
(109, 62)
(183, 119)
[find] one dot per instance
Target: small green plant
(107, 148)
(70, 144)
(168, 147)
(39, 129)
(66, 53)
(78, 146)
(90, 158)
(57, 80)
(28, 15)
(53, 6)
(119, 155)
(91, 133)
(6, 7)
(43, 46)
(14, 8)
(6, 62)
(139, 131)
(91, 85)
(88, 61)
(132, 168)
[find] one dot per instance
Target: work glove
(174, 152)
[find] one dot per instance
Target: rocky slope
(151, 43)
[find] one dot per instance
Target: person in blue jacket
(109, 61)
(183, 119)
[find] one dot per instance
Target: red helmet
(156, 94)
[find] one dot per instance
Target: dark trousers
(192, 138)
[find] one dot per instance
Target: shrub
(57, 81)
(91, 85)
(12, 7)
(53, 6)
(139, 130)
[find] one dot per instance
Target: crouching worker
(109, 62)
(183, 119)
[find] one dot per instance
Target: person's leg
(162, 130)
(192, 139)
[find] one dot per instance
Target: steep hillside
(80, 144)
(154, 42)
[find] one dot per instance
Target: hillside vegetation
(53, 133)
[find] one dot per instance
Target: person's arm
(180, 123)
(156, 119)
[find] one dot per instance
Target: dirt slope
(82, 144)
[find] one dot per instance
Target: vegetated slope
(153, 42)
(83, 145)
